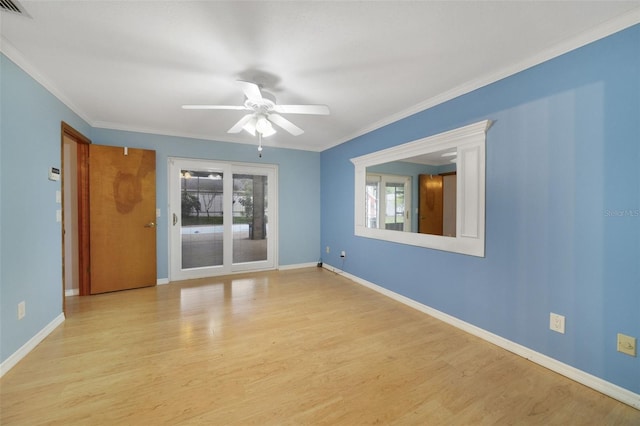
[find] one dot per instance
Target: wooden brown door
(430, 205)
(122, 214)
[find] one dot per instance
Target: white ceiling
(130, 65)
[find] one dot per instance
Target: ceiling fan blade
(240, 124)
(302, 109)
(286, 124)
(232, 107)
(251, 90)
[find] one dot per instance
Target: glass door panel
(250, 200)
(201, 218)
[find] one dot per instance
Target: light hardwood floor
(280, 348)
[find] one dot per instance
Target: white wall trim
(10, 362)
(162, 281)
(297, 266)
(71, 292)
(614, 391)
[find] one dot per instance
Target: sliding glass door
(223, 217)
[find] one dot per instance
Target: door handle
(175, 219)
(150, 225)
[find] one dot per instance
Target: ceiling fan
(264, 112)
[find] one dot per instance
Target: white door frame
(175, 165)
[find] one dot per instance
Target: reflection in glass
(437, 205)
(395, 206)
(418, 178)
(371, 206)
(391, 211)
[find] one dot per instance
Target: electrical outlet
(343, 253)
(556, 322)
(328, 250)
(626, 344)
(22, 310)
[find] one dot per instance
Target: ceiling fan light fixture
(269, 132)
(264, 126)
(250, 126)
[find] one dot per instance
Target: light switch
(157, 213)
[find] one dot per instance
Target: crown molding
(201, 137)
(601, 31)
(594, 34)
(17, 58)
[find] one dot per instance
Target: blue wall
(562, 210)
(31, 247)
(31, 243)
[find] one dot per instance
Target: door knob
(150, 225)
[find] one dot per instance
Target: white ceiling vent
(13, 6)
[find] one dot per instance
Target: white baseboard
(614, 391)
(297, 266)
(340, 271)
(10, 362)
(162, 281)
